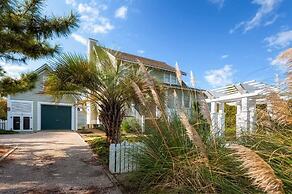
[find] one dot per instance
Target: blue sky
(221, 41)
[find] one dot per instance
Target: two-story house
(176, 96)
(35, 110)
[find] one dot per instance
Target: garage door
(55, 117)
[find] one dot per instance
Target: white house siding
(37, 97)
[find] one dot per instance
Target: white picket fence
(3, 124)
(120, 157)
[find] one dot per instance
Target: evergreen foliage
(24, 34)
(25, 31)
(10, 85)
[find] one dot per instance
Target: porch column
(221, 119)
(238, 119)
(214, 118)
(245, 114)
(91, 115)
(252, 115)
(190, 105)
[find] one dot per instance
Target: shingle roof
(146, 61)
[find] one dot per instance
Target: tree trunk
(111, 116)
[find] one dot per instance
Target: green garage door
(55, 117)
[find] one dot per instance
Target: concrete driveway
(52, 162)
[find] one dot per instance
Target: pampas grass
(193, 134)
(258, 170)
(280, 110)
(178, 74)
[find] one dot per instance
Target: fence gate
(120, 157)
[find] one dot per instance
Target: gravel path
(51, 162)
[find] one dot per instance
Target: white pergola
(244, 96)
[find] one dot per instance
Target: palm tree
(102, 81)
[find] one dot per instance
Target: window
(166, 78)
(173, 79)
(45, 77)
(187, 99)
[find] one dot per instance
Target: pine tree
(24, 34)
(25, 31)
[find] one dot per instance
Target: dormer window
(45, 78)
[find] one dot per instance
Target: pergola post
(221, 119)
(252, 115)
(238, 119)
(214, 118)
(245, 114)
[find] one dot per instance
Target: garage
(56, 117)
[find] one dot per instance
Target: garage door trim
(56, 104)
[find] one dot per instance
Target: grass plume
(258, 170)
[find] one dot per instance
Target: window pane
(187, 99)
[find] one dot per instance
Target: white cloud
(79, 39)
(92, 18)
(71, 2)
(266, 9)
(219, 3)
(280, 40)
(224, 56)
(103, 28)
(220, 77)
(13, 70)
(282, 60)
(270, 22)
(141, 52)
(121, 12)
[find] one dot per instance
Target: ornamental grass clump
(273, 139)
(181, 157)
(169, 161)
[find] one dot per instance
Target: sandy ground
(3, 150)
(51, 162)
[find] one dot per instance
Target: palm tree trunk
(111, 117)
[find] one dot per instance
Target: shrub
(7, 132)
(100, 147)
(130, 125)
(3, 109)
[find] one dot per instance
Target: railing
(120, 157)
(3, 124)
